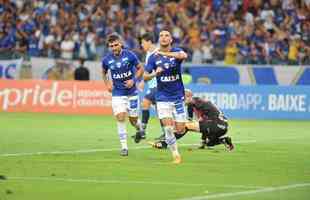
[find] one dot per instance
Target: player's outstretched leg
(138, 136)
(148, 100)
(136, 123)
(223, 140)
(161, 142)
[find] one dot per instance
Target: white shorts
(174, 110)
(127, 104)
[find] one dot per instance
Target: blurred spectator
(7, 44)
(21, 43)
(82, 47)
(256, 54)
(67, 47)
(207, 49)
(33, 44)
(282, 48)
(244, 51)
(81, 73)
(231, 51)
(218, 53)
(197, 56)
(293, 51)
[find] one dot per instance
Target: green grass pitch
(48, 157)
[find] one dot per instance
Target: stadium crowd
(229, 31)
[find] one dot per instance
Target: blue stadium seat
(264, 76)
(217, 75)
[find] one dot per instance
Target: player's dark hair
(147, 37)
(113, 37)
(166, 29)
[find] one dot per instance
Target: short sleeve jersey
(169, 83)
(122, 68)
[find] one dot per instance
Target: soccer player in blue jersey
(165, 65)
(148, 46)
(125, 69)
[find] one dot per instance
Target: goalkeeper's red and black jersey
(204, 109)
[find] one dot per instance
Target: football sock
(145, 119)
(171, 140)
(138, 125)
(122, 133)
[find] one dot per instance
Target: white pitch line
(94, 150)
(249, 192)
(125, 182)
(99, 181)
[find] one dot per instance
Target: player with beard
(125, 69)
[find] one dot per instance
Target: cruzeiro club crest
(118, 65)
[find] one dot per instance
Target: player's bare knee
(121, 117)
(146, 104)
(145, 107)
(180, 130)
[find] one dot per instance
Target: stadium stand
(243, 32)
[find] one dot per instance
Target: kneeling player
(212, 124)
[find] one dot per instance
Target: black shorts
(213, 128)
(150, 95)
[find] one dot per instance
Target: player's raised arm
(151, 70)
(180, 55)
(148, 76)
(140, 71)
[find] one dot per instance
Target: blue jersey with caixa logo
(169, 83)
(122, 68)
